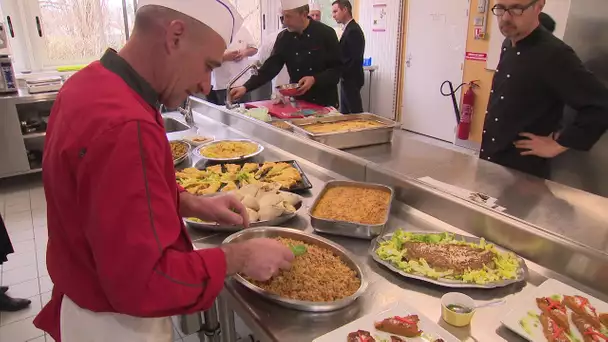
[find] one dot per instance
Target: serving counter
(572, 257)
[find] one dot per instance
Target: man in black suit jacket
(352, 45)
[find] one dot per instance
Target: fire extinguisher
(468, 101)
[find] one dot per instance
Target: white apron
(81, 325)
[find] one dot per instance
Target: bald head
(152, 18)
(174, 52)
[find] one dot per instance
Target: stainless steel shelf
(34, 135)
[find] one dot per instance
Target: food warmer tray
(345, 228)
(274, 232)
(522, 272)
(259, 150)
(348, 139)
(230, 229)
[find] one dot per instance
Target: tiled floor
(23, 207)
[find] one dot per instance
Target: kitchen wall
(382, 47)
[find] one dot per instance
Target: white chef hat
(292, 4)
(219, 15)
(314, 6)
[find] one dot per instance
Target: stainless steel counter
(270, 322)
(24, 96)
(560, 209)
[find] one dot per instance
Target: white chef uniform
(222, 75)
(81, 325)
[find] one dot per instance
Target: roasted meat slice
(556, 310)
(443, 257)
(250, 167)
(604, 319)
(397, 339)
(581, 306)
(403, 326)
(265, 168)
(215, 168)
(589, 332)
(277, 168)
(360, 336)
(230, 186)
(552, 330)
(233, 168)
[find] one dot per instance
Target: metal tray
(197, 150)
(304, 184)
(522, 272)
(346, 228)
(348, 139)
(185, 156)
(230, 229)
(273, 232)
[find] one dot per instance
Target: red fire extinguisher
(468, 101)
(464, 120)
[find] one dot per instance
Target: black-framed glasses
(514, 11)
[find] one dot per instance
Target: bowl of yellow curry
(229, 150)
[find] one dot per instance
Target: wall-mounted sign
(476, 56)
(379, 18)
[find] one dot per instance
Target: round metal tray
(522, 272)
(185, 156)
(229, 229)
(197, 150)
(343, 254)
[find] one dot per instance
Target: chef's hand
(224, 209)
(545, 147)
(239, 56)
(259, 259)
(237, 92)
(305, 84)
(230, 55)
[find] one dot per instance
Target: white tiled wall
(23, 207)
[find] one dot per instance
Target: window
(53, 33)
(79, 31)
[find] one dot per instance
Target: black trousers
(6, 247)
(350, 98)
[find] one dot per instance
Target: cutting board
(282, 111)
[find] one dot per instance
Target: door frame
(402, 57)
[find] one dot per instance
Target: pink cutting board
(282, 111)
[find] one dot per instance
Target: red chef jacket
(116, 240)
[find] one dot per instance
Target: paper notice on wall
(379, 23)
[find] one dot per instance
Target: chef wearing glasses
(537, 75)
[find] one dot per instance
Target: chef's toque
(219, 15)
(292, 4)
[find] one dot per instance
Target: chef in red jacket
(118, 253)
